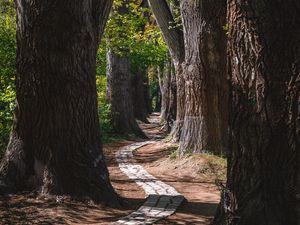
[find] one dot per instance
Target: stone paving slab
(162, 199)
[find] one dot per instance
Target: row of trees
(134, 31)
(261, 82)
(236, 91)
(197, 46)
(55, 142)
(232, 86)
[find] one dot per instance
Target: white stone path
(162, 199)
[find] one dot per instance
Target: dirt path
(199, 190)
(162, 199)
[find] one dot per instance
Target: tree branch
(173, 36)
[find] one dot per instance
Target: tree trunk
(174, 39)
(164, 89)
(118, 73)
(55, 141)
(173, 99)
(204, 126)
(264, 161)
(147, 95)
(180, 110)
(138, 97)
(119, 85)
(166, 95)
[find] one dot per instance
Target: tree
(132, 34)
(263, 165)
(174, 39)
(205, 122)
(139, 96)
(119, 78)
(119, 84)
(168, 107)
(199, 58)
(55, 142)
(7, 69)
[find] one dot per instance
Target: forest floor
(192, 176)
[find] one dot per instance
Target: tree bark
(204, 126)
(158, 102)
(171, 118)
(139, 97)
(165, 84)
(174, 39)
(265, 74)
(147, 94)
(119, 86)
(55, 141)
(118, 73)
(181, 103)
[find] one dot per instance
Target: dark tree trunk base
(55, 144)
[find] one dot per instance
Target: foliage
(7, 70)
(134, 33)
(103, 106)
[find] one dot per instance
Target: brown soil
(190, 176)
(200, 192)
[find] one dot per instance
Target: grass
(205, 164)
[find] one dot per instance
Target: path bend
(162, 199)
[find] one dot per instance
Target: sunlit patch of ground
(192, 176)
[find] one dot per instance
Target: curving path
(162, 200)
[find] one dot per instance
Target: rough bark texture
(164, 85)
(167, 95)
(55, 142)
(139, 97)
(171, 118)
(174, 40)
(122, 112)
(173, 36)
(265, 75)
(119, 86)
(147, 95)
(181, 103)
(204, 127)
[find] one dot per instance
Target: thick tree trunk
(204, 127)
(119, 85)
(55, 142)
(118, 73)
(265, 74)
(138, 97)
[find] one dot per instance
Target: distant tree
(173, 36)
(55, 142)
(136, 44)
(168, 96)
(120, 93)
(263, 164)
(139, 96)
(119, 74)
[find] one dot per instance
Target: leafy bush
(104, 108)
(7, 70)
